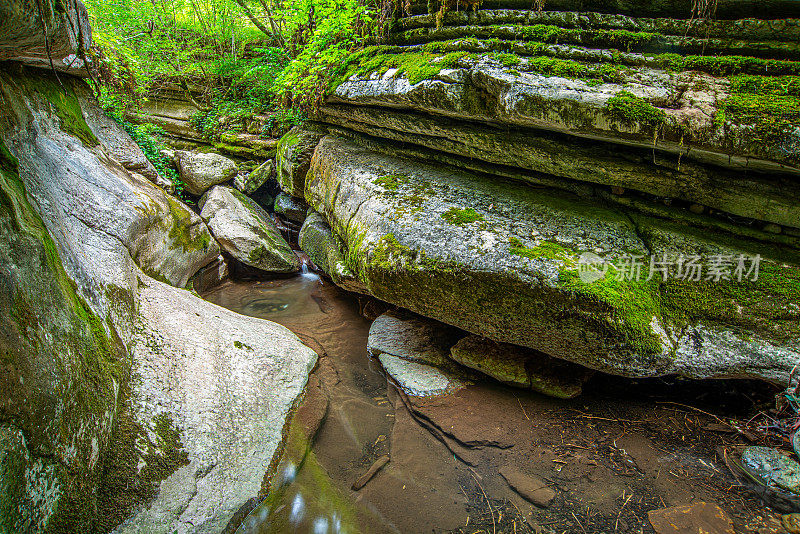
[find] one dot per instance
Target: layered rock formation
(475, 163)
(84, 240)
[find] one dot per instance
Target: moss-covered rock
(63, 364)
(245, 231)
(521, 367)
(293, 158)
(513, 275)
(318, 242)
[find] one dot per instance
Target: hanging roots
(704, 9)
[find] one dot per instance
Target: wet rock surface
(291, 208)
(245, 231)
(316, 240)
(226, 383)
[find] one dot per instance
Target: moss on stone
(139, 458)
(390, 182)
(546, 249)
(460, 217)
(239, 345)
(633, 110)
(48, 321)
(65, 105)
(181, 231)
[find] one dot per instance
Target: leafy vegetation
(150, 138)
(229, 57)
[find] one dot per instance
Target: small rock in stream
(532, 488)
(371, 472)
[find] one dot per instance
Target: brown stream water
(617, 452)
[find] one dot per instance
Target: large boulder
(293, 158)
(318, 242)
(79, 234)
(246, 231)
(200, 171)
(223, 385)
(501, 260)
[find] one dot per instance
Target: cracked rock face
(500, 259)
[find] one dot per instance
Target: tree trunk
(254, 19)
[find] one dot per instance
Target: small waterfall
(304, 267)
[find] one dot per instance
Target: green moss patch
(460, 217)
(64, 104)
(181, 233)
(631, 109)
(390, 182)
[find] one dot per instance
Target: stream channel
(608, 457)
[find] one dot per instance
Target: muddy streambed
(618, 451)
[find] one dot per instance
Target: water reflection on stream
(611, 455)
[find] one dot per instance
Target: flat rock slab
(228, 382)
(411, 337)
(531, 487)
(501, 260)
(698, 518)
(420, 380)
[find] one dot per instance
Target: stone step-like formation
(500, 259)
(650, 106)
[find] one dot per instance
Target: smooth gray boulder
(293, 158)
(200, 171)
(317, 241)
(245, 231)
(228, 382)
(249, 183)
(501, 260)
(413, 351)
(291, 208)
(82, 239)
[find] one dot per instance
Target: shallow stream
(617, 452)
